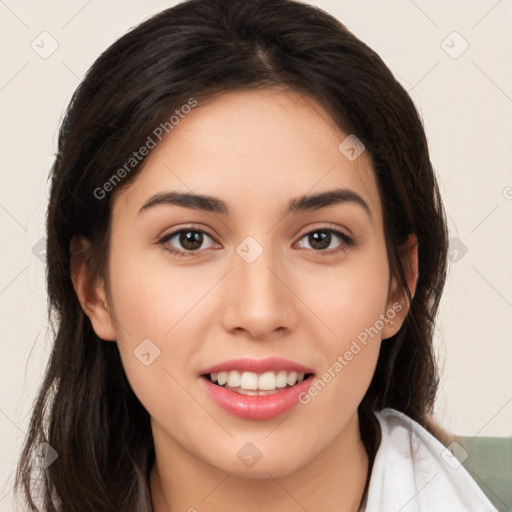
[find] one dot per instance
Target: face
(257, 285)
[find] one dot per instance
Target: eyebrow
(299, 204)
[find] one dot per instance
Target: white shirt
(414, 472)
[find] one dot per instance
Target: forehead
(252, 148)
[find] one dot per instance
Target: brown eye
(320, 240)
(186, 241)
(191, 240)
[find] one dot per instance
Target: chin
(250, 462)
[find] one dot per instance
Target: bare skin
(256, 151)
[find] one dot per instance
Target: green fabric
(489, 462)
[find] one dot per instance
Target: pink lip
(257, 407)
(269, 364)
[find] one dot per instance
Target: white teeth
(233, 379)
(292, 378)
(248, 380)
(222, 378)
(253, 392)
(282, 379)
(267, 381)
(253, 382)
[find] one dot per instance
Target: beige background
(465, 100)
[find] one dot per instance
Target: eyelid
(325, 226)
(348, 240)
(163, 240)
(190, 227)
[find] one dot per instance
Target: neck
(333, 480)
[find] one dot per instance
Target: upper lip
(268, 364)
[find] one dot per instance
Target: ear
(92, 296)
(398, 303)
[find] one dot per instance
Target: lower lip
(257, 407)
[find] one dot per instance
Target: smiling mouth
(251, 383)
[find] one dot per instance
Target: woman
(246, 253)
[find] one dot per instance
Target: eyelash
(347, 242)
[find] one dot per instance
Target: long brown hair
(85, 409)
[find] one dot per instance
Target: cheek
(156, 313)
(349, 302)
(347, 299)
(152, 297)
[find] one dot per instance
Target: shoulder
(414, 472)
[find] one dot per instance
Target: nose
(259, 301)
